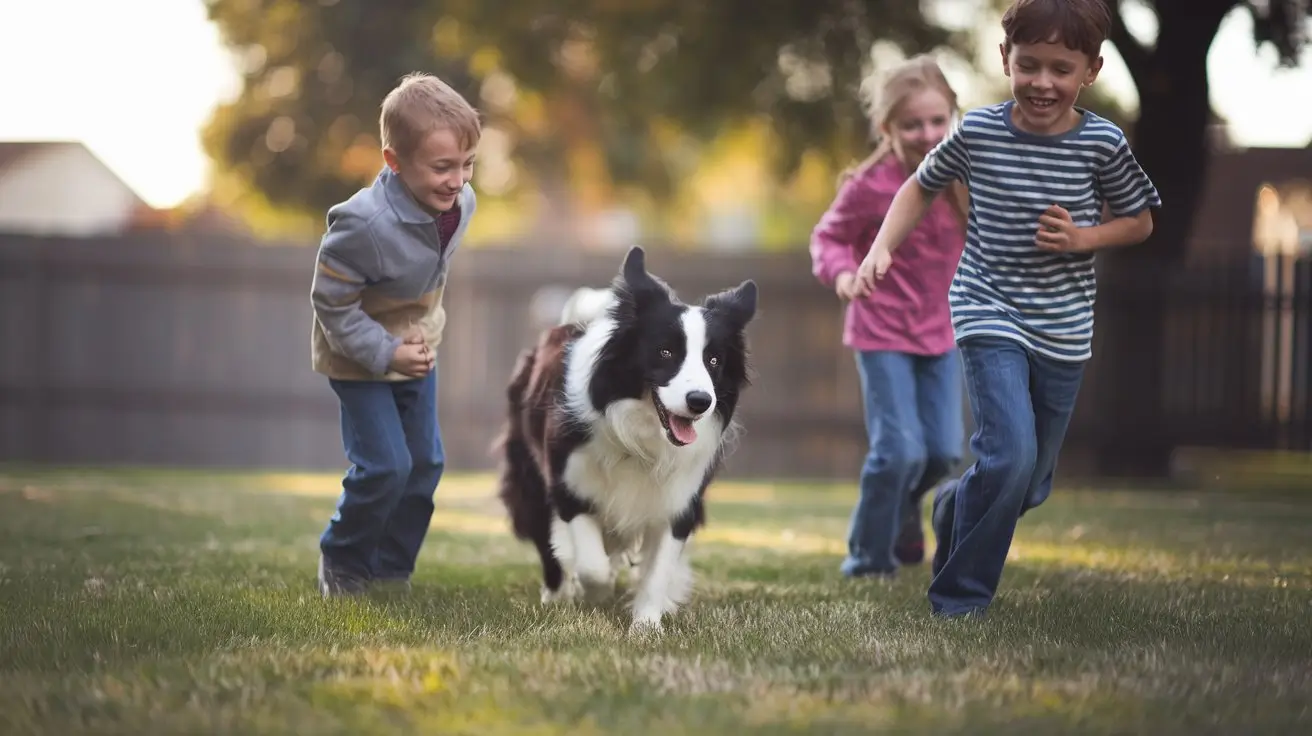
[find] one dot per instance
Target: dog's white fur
(585, 305)
(634, 477)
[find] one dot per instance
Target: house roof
(13, 151)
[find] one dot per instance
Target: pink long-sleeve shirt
(908, 311)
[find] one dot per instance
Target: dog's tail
(585, 305)
(521, 486)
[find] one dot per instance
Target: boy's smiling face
(1046, 79)
(436, 170)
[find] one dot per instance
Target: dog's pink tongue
(682, 429)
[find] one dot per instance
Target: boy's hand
(1058, 233)
(848, 288)
(412, 358)
(873, 267)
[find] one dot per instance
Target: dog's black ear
(634, 268)
(739, 303)
(634, 272)
(636, 283)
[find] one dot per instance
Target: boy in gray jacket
(378, 319)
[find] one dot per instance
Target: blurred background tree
(1171, 139)
(588, 104)
(660, 108)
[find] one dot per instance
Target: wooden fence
(162, 349)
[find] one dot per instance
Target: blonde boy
(378, 319)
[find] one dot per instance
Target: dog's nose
(698, 401)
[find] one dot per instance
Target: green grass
(139, 602)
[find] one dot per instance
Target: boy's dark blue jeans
(1022, 404)
(392, 440)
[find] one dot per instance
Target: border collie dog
(618, 421)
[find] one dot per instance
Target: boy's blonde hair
(420, 104)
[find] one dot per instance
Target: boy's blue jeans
(392, 440)
(913, 420)
(1022, 404)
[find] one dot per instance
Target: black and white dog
(618, 421)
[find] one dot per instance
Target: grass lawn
(162, 602)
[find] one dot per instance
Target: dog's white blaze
(692, 375)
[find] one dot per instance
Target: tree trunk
(1171, 142)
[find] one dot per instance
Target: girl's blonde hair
(882, 96)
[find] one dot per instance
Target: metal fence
(184, 350)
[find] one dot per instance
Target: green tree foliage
(602, 93)
(638, 79)
(302, 133)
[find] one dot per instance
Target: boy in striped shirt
(1050, 184)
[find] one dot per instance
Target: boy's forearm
(355, 335)
(907, 210)
(349, 331)
(1117, 233)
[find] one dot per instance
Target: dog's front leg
(590, 558)
(665, 580)
(591, 563)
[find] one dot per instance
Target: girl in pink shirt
(902, 332)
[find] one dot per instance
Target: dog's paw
(646, 622)
(569, 591)
(646, 628)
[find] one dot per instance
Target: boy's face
(1045, 80)
(435, 171)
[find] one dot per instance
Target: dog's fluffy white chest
(631, 473)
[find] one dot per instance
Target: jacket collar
(401, 200)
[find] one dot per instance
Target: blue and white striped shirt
(1005, 285)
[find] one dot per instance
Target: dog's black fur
(631, 354)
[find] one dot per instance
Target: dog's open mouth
(678, 430)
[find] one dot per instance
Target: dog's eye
(666, 353)
(714, 361)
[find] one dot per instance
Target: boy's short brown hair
(420, 104)
(1079, 25)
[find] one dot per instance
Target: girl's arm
(834, 238)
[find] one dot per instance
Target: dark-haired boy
(1050, 184)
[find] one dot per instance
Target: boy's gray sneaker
(334, 583)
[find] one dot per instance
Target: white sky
(139, 94)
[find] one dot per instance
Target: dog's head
(692, 360)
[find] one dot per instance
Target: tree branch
(1138, 58)
(1282, 26)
